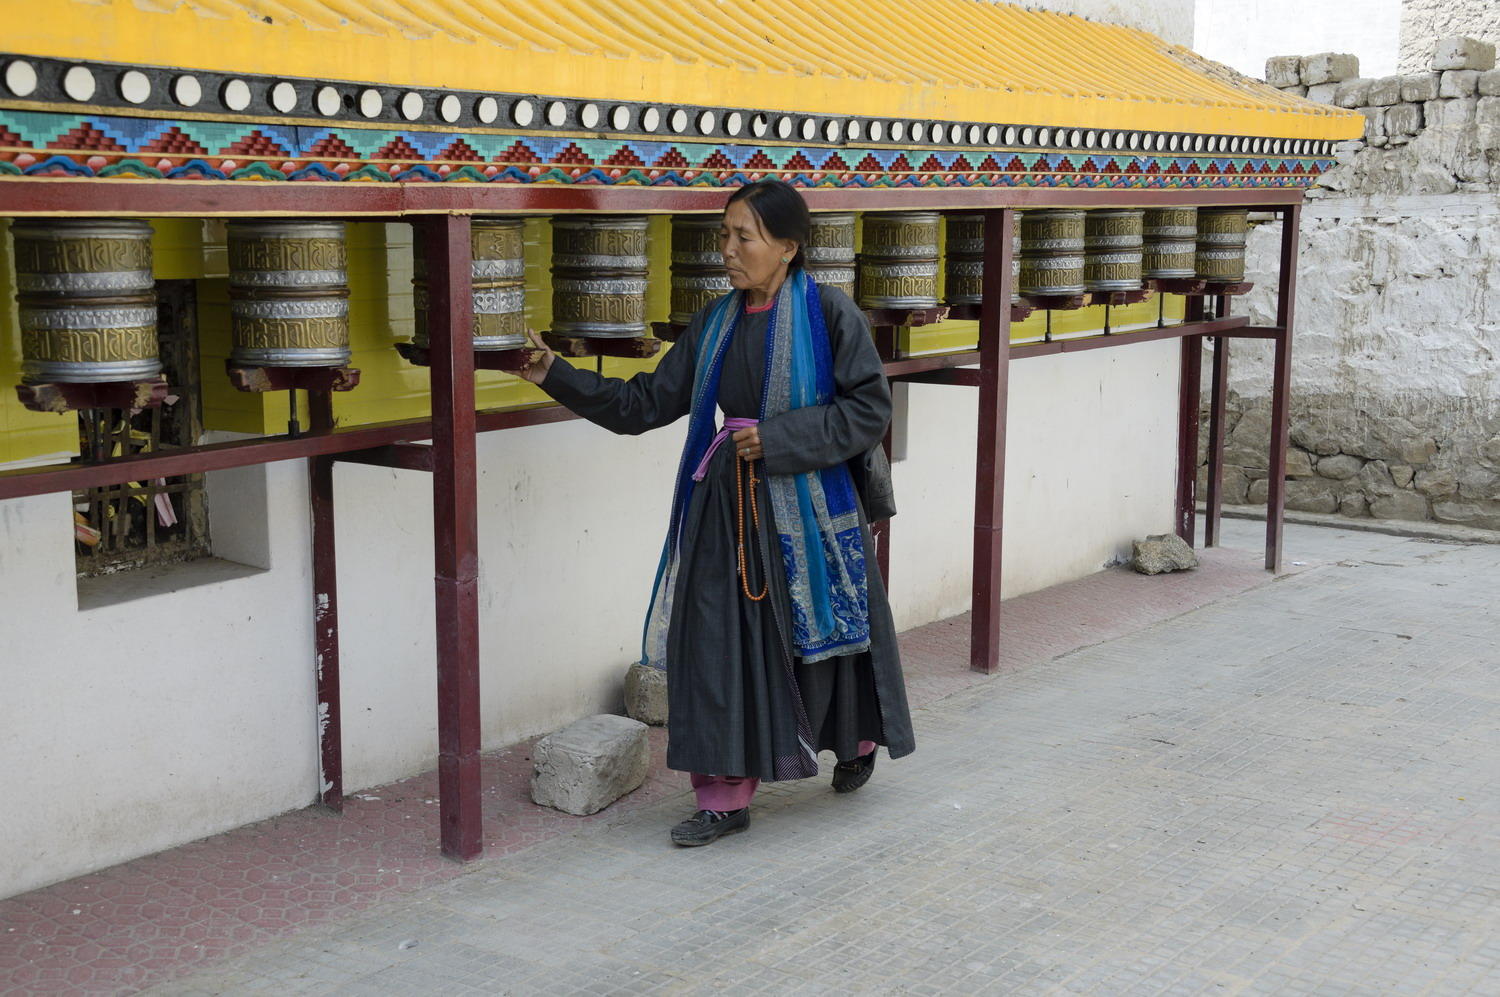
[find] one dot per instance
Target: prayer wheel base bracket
(1119, 298)
(667, 332)
(629, 347)
(1020, 311)
(1057, 302)
(906, 317)
(1194, 286)
(262, 379)
(64, 397)
(508, 361)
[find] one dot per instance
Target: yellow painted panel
(952, 336)
(23, 434)
(964, 60)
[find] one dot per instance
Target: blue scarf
(816, 513)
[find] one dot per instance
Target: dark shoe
(707, 826)
(849, 776)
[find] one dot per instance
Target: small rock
(1436, 482)
(1463, 53)
(646, 694)
(586, 766)
(1340, 467)
(1353, 505)
(1329, 67)
(1259, 492)
(1420, 87)
(1284, 70)
(1402, 475)
(409, 943)
(1162, 552)
(1298, 463)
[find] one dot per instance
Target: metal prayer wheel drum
(599, 276)
(1052, 252)
(77, 340)
(842, 278)
(1170, 240)
(698, 274)
(83, 257)
(1112, 243)
(964, 273)
(898, 267)
(289, 294)
(497, 271)
(87, 301)
(1220, 256)
(829, 253)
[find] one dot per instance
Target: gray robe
(738, 695)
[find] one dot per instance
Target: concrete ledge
(1423, 530)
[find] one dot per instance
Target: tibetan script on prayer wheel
(1169, 243)
(497, 275)
(1052, 252)
(289, 294)
(1112, 249)
(1221, 244)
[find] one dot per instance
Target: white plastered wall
(1245, 33)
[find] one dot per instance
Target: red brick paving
(155, 918)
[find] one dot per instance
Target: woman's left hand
(747, 443)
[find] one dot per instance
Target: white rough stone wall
(1423, 22)
(1170, 19)
(1396, 387)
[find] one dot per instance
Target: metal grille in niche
(153, 521)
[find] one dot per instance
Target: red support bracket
(1117, 299)
(907, 317)
(628, 347)
(1056, 302)
(65, 397)
(402, 456)
(261, 379)
(1020, 311)
(507, 361)
(667, 332)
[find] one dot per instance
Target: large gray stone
(1284, 70)
(1436, 482)
(1385, 91)
(1459, 83)
(1403, 119)
(1162, 552)
(1298, 463)
(1354, 504)
(1463, 53)
(1340, 467)
(1419, 87)
(646, 694)
(1483, 515)
(586, 766)
(1323, 93)
(1352, 93)
(1259, 491)
(1311, 495)
(1329, 67)
(1489, 83)
(1399, 505)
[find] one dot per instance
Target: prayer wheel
(698, 274)
(289, 294)
(1220, 256)
(1112, 249)
(599, 276)
(87, 301)
(964, 274)
(1052, 252)
(1170, 241)
(899, 265)
(497, 274)
(829, 253)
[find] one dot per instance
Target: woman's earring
(786, 259)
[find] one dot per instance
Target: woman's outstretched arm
(648, 400)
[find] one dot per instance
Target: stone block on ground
(1459, 83)
(646, 694)
(1161, 553)
(1385, 91)
(1329, 67)
(1284, 70)
(1419, 87)
(1463, 53)
(1399, 505)
(587, 765)
(1340, 467)
(1352, 93)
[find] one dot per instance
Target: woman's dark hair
(781, 210)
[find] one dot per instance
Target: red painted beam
(326, 615)
(402, 456)
(989, 474)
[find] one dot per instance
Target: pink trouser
(734, 792)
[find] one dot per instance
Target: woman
(777, 642)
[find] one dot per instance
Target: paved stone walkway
(1295, 790)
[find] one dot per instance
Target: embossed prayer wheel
(1169, 243)
(1220, 255)
(964, 272)
(289, 294)
(87, 301)
(698, 274)
(829, 253)
(497, 274)
(1112, 242)
(898, 267)
(1052, 252)
(599, 276)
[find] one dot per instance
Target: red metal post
(455, 530)
(1188, 392)
(326, 612)
(1218, 395)
(989, 480)
(1281, 385)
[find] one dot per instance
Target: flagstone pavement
(1285, 786)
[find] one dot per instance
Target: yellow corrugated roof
(961, 60)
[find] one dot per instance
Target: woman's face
(752, 256)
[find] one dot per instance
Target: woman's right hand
(536, 371)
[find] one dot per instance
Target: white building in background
(1245, 33)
